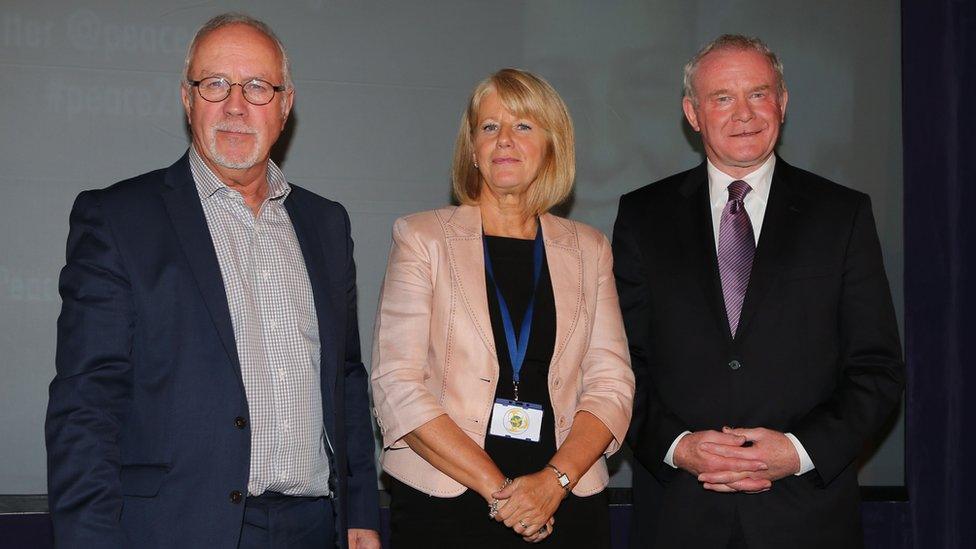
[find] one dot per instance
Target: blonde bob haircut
(524, 95)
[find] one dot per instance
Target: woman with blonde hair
(501, 375)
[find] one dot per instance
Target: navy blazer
(145, 439)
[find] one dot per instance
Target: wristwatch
(560, 476)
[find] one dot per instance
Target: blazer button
(735, 364)
(236, 497)
(240, 422)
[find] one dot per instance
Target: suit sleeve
(653, 427)
(92, 388)
(363, 497)
(872, 371)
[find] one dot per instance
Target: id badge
(516, 419)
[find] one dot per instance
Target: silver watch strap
(560, 476)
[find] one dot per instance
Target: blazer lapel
(190, 225)
(696, 235)
(468, 267)
(566, 274)
(328, 314)
(467, 257)
(778, 228)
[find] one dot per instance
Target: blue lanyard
(517, 346)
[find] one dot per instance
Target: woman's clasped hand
(528, 503)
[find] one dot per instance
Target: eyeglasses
(217, 88)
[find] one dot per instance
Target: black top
(511, 259)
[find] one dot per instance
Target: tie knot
(738, 190)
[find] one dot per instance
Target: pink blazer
(434, 352)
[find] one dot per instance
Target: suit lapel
(696, 236)
(190, 225)
(566, 274)
(778, 228)
(327, 313)
(468, 268)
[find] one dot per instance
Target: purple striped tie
(736, 248)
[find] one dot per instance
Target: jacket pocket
(143, 480)
(808, 271)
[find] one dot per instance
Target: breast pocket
(808, 297)
(803, 272)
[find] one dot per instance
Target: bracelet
(493, 506)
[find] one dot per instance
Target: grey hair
(732, 42)
(233, 18)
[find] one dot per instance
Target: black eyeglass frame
(274, 89)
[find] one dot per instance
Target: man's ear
(288, 101)
(688, 106)
(187, 100)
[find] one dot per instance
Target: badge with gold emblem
(515, 419)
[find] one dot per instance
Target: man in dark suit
(209, 388)
(761, 328)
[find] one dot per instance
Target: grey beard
(242, 164)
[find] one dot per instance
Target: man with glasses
(209, 388)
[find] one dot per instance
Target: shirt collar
(759, 180)
(208, 183)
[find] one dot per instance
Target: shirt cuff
(669, 457)
(806, 464)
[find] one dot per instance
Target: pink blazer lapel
(566, 272)
(468, 268)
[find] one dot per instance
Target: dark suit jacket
(816, 354)
(145, 445)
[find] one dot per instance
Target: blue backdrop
(939, 113)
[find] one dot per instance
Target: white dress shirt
(755, 201)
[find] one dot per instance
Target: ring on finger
(522, 522)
